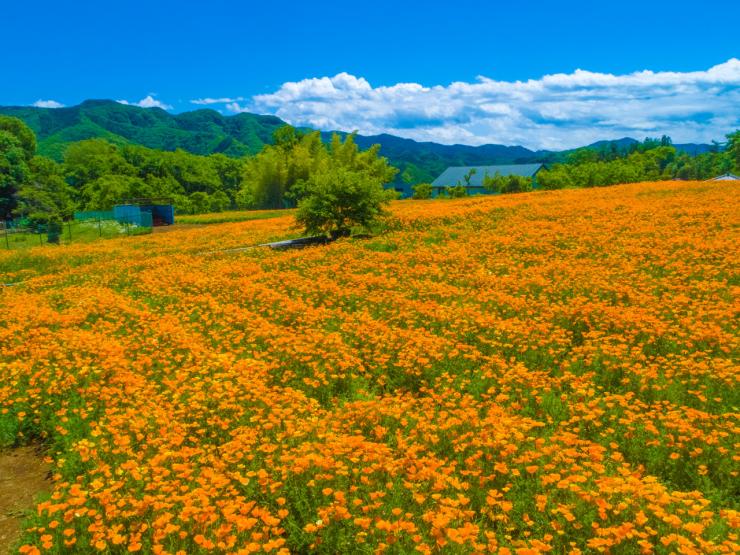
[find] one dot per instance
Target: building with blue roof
(455, 175)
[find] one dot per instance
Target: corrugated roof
(725, 177)
(451, 176)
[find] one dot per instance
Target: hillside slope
(199, 132)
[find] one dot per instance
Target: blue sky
(439, 71)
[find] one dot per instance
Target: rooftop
(452, 175)
(725, 177)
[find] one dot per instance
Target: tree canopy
(94, 174)
(651, 160)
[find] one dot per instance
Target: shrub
(422, 191)
(507, 183)
(334, 201)
(458, 191)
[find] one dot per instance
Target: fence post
(69, 229)
(7, 242)
(41, 241)
(100, 227)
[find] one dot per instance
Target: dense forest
(93, 174)
(651, 160)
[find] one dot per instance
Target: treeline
(651, 160)
(95, 174)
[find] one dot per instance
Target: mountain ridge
(206, 131)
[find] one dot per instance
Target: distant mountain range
(208, 131)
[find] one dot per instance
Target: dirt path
(23, 475)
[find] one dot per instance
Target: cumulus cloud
(222, 100)
(237, 108)
(556, 111)
(147, 102)
(47, 104)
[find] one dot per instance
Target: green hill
(199, 132)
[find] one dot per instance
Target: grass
(71, 232)
(231, 216)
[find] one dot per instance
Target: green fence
(90, 226)
(138, 218)
(94, 215)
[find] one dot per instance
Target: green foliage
(103, 173)
(507, 183)
(458, 191)
(105, 191)
(733, 150)
(650, 160)
(422, 191)
(89, 160)
(468, 176)
(207, 132)
(17, 147)
(24, 135)
(279, 175)
(585, 171)
(231, 216)
(46, 196)
(335, 200)
(269, 178)
(219, 202)
(556, 177)
(200, 132)
(199, 202)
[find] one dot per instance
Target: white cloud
(237, 108)
(223, 100)
(147, 102)
(556, 111)
(47, 104)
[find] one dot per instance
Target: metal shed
(160, 210)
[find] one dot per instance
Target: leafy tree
(25, 135)
(422, 191)
(651, 161)
(335, 200)
(286, 137)
(46, 197)
(17, 147)
(582, 156)
(86, 161)
(219, 202)
(556, 177)
(270, 177)
(278, 175)
(245, 198)
(733, 150)
(229, 172)
(199, 202)
(106, 191)
(468, 176)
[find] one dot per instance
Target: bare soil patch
(23, 475)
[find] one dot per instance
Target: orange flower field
(552, 372)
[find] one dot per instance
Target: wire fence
(22, 233)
